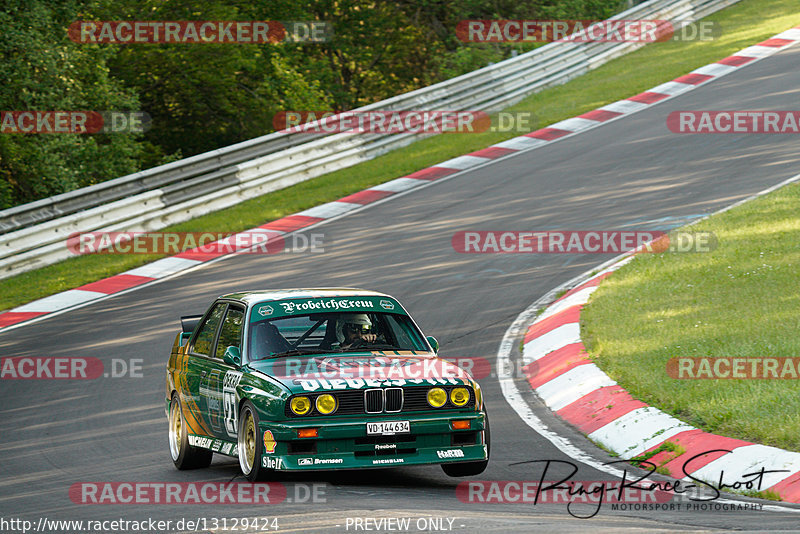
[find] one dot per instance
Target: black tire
(184, 456)
(468, 469)
(250, 446)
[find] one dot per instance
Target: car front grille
(375, 401)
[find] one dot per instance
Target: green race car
(308, 379)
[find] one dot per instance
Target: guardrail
(34, 234)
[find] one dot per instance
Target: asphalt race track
(631, 173)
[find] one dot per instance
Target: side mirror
(232, 356)
(433, 343)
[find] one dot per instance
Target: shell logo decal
(269, 442)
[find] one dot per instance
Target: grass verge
(738, 301)
(742, 25)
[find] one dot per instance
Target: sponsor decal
(388, 461)
(265, 310)
(335, 304)
(200, 441)
(384, 446)
(358, 383)
(230, 401)
(305, 461)
(271, 463)
(325, 461)
(450, 453)
(387, 305)
(269, 442)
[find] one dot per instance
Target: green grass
(741, 300)
(743, 24)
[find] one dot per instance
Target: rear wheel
(467, 469)
(184, 456)
(250, 446)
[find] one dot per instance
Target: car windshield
(333, 332)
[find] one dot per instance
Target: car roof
(264, 295)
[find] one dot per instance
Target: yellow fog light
(437, 397)
(300, 405)
(326, 404)
(459, 396)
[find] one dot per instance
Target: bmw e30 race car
(310, 379)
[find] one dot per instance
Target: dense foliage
(205, 96)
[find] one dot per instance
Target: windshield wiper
(368, 348)
(299, 352)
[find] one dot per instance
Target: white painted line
(163, 267)
(462, 162)
(331, 209)
(624, 106)
(521, 143)
(59, 301)
(576, 299)
(715, 69)
(635, 432)
(672, 88)
(566, 388)
(399, 184)
(735, 466)
(553, 340)
(575, 124)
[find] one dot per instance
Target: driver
(353, 328)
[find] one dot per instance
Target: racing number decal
(229, 403)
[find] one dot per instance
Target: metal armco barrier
(33, 235)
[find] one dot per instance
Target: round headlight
(300, 405)
(326, 404)
(437, 397)
(459, 396)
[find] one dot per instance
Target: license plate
(388, 428)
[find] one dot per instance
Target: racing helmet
(356, 321)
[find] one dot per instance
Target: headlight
(437, 397)
(459, 396)
(326, 404)
(300, 405)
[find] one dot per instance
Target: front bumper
(344, 443)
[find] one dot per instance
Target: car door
(223, 378)
(200, 366)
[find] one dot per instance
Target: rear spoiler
(188, 324)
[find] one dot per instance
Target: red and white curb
(171, 266)
(558, 369)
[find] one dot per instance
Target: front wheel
(468, 469)
(250, 446)
(184, 456)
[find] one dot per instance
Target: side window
(231, 333)
(205, 336)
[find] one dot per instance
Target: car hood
(360, 370)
